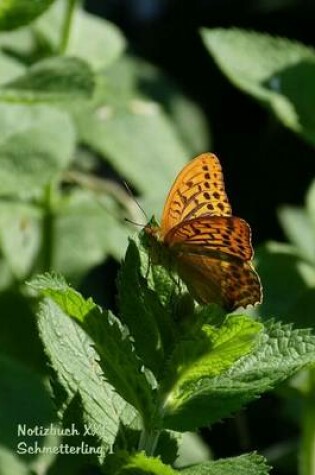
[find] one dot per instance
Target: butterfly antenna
(137, 202)
(133, 222)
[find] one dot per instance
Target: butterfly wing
(212, 234)
(213, 255)
(197, 191)
(211, 248)
(229, 283)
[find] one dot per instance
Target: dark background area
(265, 164)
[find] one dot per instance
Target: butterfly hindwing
(231, 284)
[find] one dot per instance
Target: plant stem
(65, 34)
(307, 451)
(48, 229)
(148, 441)
(106, 187)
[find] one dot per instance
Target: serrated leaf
(249, 464)
(123, 463)
(280, 353)
(80, 247)
(51, 80)
(36, 145)
(15, 13)
(159, 279)
(70, 301)
(278, 72)
(148, 321)
(75, 363)
(93, 39)
(205, 355)
(116, 357)
(192, 450)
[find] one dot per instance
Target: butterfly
(209, 248)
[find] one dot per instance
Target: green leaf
(131, 77)
(69, 300)
(11, 464)
(20, 236)
(19, 338)
(24, 399)
(158, 277)
(286, 278)
(25, 46)
(167, 446)
(15, 13)
(51, 80)
(116, 357)
(205, 355)
(75, 363)
(310, 203)
(132, 131)
(80, 247)
(249, 464)
(123, 463)
(10, 68)
(280, 353)
(299, 230)
(192, 450)
(92, 39)
(148, 321)
(278, 72)
(36, 145)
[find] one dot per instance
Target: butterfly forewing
(197, 191)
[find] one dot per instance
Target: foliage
(62, 90)
(78, 115)
(282, 79)
(199, 373)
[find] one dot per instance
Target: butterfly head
(153, 229)
(153, 240)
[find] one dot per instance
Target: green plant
(282, 80)
(77, 114)
(289, 273)
(172, 366)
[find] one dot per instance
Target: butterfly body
(200, 239)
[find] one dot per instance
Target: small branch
(65, 35)
(148, 441)
(48, 239)
(101, 186)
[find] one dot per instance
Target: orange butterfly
(210, 249)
